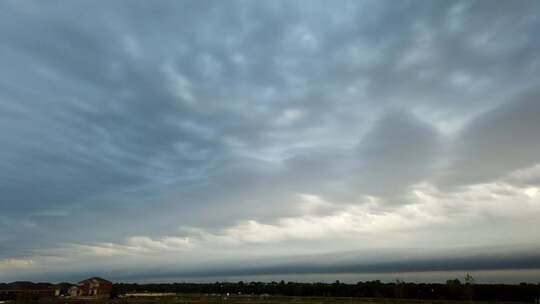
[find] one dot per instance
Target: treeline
(452, 290)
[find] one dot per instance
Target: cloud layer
(135, 135)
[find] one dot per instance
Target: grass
(247, 299)
(255, 299)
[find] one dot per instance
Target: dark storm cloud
(499, 141)
(322, 265)
(207, 114)
(476, 263)
(399, 151)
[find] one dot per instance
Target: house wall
(95, 288)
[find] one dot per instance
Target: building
(26, 290)
(62, 289)
(93, 288)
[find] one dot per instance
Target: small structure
(74, 291)
(62, 289)
(95, 288)
(26, 290)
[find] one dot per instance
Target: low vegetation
(453, 290)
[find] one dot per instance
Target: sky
(312, 140)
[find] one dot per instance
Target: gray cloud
(399, 151)
(471, 263)
(186, 119)
(499, 141)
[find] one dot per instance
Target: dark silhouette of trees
(452, 290)
(469, 289)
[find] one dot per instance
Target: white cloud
(288, 117)
(164, 243)
(179, 85)
(532, 192)
(16, 263)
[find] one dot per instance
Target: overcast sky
(195, 140)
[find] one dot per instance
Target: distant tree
(399, 288)
(454, 289)
(469, 282)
